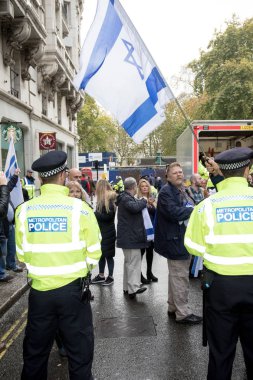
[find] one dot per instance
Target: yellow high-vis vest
(220, 229)
(29, 187)
(57, 237)
(204, 173)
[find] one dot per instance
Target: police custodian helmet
(51, 163)
(235, 158)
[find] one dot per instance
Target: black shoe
(109, 281)
(125, 292)
(191, 319)
(7, 278)
(139, 291)
(171, 314)
(98, 280)
(17, 269)
(144, 280)
(151, 277)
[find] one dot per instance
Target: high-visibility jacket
(204, 173)
(29, 186)
(57, 237)
(119, 186)
(221, 229)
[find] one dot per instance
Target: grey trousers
(132, 270)
(178, 289)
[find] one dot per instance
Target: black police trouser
(59, 309)
(229, 316)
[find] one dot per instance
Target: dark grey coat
(131, 233)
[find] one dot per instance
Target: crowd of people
(143, 217)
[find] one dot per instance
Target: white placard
(95, 157)
(82, 159)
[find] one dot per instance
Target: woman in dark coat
(145, 191)
(105, 214)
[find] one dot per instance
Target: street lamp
(159, 157)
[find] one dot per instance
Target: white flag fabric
(11, 164)
(148, 224)
(118, 71)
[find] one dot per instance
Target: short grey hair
(130, 183)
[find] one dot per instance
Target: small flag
(148, 224)
(11, 164)
(118, 71)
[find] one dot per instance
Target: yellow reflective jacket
(57, 237)
(30, 187)
(204, 173)
(221, 229)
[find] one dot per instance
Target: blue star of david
(130, 58)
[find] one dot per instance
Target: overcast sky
(175, 31)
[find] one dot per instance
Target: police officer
(119, 186)
(28, 183)
(58, 239)
(221, 230)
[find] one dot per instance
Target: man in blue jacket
(174, 208)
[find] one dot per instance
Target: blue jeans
(11, 249)
(3, 246)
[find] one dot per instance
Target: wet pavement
(134, 339)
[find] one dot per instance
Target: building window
(65, 11)
(70, 156)
(14, 79)
(59, 100)
(59, 145)
(44, 104)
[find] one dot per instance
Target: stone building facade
(39, 56)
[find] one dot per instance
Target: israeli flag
(11, 164)
(148, 224)
(118, 71)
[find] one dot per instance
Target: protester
(57, 237)
(197, 194)
(4, 201)
(105, 214)
(220, 231)
(174, 208)
(131, 236)
(74, 174)
(195, 190)
(75, 190)
(7, 235)
(144, 191)
(92, 189)
(28, 182)
(153, 189)
(158, 183)
(85, 183)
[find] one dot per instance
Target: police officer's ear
(246, 172)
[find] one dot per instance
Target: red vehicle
(211, 137)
